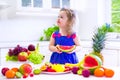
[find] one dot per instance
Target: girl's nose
(58, 21)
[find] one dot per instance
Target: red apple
(25, 68)
(28, 52)
(22, 56)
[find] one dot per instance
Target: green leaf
(48, 32)
(41, 38)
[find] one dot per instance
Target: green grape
(35, 56)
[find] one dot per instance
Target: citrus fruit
(109, 72)
(15, 69)
(99, 72)
(43, 68)
(10, 74)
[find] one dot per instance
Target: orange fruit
(43, 68)
(109, 72)
(99, 72)
(15, 69)
(10, 74)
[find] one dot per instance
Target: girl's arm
(52, 47)
(78, 47)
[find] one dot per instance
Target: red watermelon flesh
(92, 61)
(66, 48)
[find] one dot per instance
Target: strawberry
(25, 75)
(51, 70)
(67, 69)
(31, 75)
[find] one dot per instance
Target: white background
(29, 27)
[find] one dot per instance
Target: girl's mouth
(58, 21)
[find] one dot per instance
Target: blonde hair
(71, 19)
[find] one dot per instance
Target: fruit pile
(77, 69)
(98, 72)
(49, 67)
(102, 71)
(91, 65)
(26, 70)
(17, 51)
(30, 53)
(23, 71)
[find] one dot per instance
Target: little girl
(65, 36)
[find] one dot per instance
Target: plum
(75, 69)
(3, 71)
(86, 72)
(31, 47)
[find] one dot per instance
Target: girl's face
(62, 19)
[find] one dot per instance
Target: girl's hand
(77, 49)
(57, 50)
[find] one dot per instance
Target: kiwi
(36, 71)
(18, 74)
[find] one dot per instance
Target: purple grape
(24, 49)
(31, 47)
(15, 51)
(20, 49)
(18, 45)
(10, 52)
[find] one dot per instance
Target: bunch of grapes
(16, 50)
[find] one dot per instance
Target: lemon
(58, 67)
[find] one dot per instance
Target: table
(67, 76)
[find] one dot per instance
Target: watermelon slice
(66, 48)
(91, 62)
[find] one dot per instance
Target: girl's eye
(60, 17)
